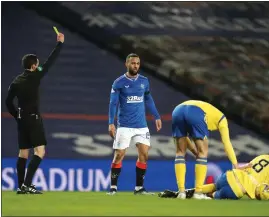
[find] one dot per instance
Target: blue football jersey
(131, 108)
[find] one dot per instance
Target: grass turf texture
(123, 204)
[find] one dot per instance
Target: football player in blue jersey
(131, 94)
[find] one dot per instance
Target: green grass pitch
(123, 204)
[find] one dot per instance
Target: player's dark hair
(28, 60)
(131, 55)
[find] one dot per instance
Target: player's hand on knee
(158, 124)
(112, 130)
(60, 37)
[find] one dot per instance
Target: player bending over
(251, 180)
(195, 119)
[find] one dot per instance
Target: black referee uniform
(25, 87)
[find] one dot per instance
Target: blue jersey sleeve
(150, 105)
(114, 100)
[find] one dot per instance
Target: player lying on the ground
(234, 184)
(261, 193)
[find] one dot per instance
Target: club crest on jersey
(134, 99)
(142, 86)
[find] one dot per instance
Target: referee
(29, 122)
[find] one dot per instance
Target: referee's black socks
(21, 166)
(32, 167)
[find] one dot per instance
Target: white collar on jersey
(131, 78)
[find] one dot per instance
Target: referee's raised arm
(43, 68)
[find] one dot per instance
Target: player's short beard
(132, 73)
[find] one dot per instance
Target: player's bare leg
(200, 168)
(180, 165)
(141, 167)
(116, 169)
(118, 155)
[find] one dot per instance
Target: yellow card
(56, 30)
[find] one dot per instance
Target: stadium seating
(219, 64)
(79, 83)
(231, 71)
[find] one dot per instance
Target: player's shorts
(224, 190)
(128, 136)
(31, 132)
(189, 120)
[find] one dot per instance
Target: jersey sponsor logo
(134, 99)
(142, 86)
(127, 86)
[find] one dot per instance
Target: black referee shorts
(31, 131)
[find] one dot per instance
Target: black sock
(21, 165)
(115, 173)
(140, 173)
(32, 167)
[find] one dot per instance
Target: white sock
(113, 186)
(137, 188)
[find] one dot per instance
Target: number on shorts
(258, 167)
